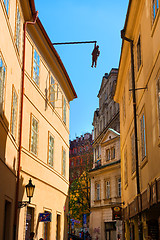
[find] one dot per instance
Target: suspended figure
(95, 55)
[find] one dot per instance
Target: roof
(33, 9)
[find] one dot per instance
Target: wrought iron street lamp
(29, 191)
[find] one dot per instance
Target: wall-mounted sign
(117, 213)
(45, 217)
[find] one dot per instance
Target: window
(155, 7)
(34, 135)
(112, 152)
(133, 153)
(143, 136)
(29, 222)
(119, 187)
(46, 229)
(18, 28)
(139, 53)
(14, 112)
(158, 89)
(97, 191)
(124, 106)
(2, 83)
(107, 154)
(6, 3)
(63, 162)
(130, 81)
(36, 64)
(125, 167)
(7, 220)
(64, 110)
(52, 91)
(107, 189)
(50, 150)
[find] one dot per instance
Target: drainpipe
(20, 127)
(135, 127)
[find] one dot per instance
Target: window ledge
(155, 22)
(139, 72)
(97, 201)
(126, 185)
(143, 162)
(133, 175)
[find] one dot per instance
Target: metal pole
(64, 43)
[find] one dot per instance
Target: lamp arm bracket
(22, 204)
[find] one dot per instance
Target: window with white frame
(18, 28)
(34, 135)
(97, 191)
(143, 136)
(125, 167)
(133, 152)
(36, 65)
(6, 3)
(139, 59)
(112, 152)
(50, 150)
(2, 83)
(14, 112)
(107, 189)
(155, 6)
(52, 91)
(64, 162)
(64, 110)
(119, 187)
(107, 154)
(158, 89)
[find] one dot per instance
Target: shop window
(29, 222)
(58, 227)
(7, 220)
(47, 229)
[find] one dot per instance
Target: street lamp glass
(30, 189)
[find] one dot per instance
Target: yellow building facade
(35, 91)
(140, 47)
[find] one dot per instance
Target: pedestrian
(41, 239)
(32, 236)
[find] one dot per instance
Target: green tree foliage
(79, 202)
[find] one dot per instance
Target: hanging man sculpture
(95, 55)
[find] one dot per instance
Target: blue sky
(84, 20)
